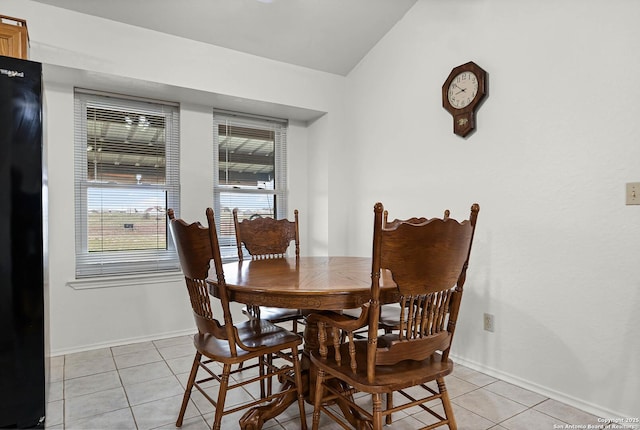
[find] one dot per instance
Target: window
(249, 172)
(126, 176)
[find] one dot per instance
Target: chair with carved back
(428, 262)
(227, 343)
(389, 314)
(268, 238)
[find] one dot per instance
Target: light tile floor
(140, 386)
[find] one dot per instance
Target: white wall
(556, 141)
(84, 51)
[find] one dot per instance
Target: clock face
(463, 90)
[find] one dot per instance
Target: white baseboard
(118, 342)
(596, 410)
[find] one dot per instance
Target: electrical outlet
(489, 322)
(633, 193)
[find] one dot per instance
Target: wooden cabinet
(14, 38)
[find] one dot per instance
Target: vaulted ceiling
(326, 35)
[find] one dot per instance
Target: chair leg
(222, 395)
(389, 406)
(270, 378)
(318, 399)
(187, 391)
(298, 375)
(377, 411)
(261, 361)
(446, 404)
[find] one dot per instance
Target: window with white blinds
(250, 165)
(126, 176)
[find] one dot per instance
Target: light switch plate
(633, 193)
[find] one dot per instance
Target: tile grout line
(126, 395)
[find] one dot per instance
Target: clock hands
(462, 90)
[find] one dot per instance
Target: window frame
(279, 127)
(132, 262)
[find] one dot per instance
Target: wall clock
(462, 93)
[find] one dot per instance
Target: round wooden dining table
(307, 283)
(321, 283)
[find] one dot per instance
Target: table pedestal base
(255, 418)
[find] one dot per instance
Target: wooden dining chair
(227, 343)
(268, 238)
(428, 263)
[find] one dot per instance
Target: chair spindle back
(427, 259)
(266, 237)
(197, 246)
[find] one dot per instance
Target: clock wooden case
(462, 93)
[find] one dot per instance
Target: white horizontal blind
(126, 176)
(250, 172)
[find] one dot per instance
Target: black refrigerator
(22, 249)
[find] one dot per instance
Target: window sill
(125, 281)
